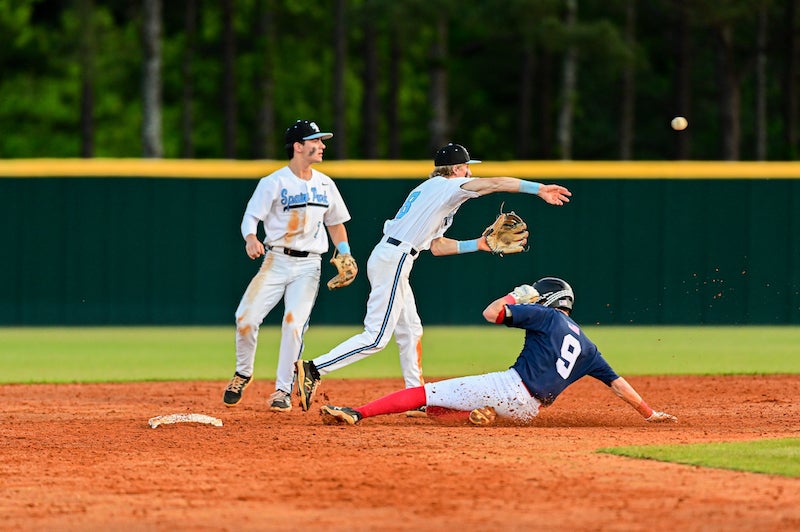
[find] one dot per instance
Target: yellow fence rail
(384, 169)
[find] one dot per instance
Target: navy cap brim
(472, 161)
(323, 136)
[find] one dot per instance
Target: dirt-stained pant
(502, 390)
(296, 280)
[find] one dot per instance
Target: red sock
(394, 403)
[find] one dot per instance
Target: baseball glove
(346, 268)
(508, 234)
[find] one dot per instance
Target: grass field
(772, 457)
(107, 354)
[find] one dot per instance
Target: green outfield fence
(96, 242)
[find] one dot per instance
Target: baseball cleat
(235, 388)
(307, 381)
(280, 401)
(418, 412)
(482, 416)
(333, 415)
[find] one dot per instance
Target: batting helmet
(555, 292)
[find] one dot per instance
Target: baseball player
(556, 353)
(419, 224)
(295, 204)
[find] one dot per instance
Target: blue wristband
(529, 187)
(467, 246)
(343, 247)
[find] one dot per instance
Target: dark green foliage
(40, 92)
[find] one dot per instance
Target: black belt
(290, 252)
(395, 242)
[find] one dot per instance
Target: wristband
(467, 246)
(508, 299)
(343, 248)
(529, 187)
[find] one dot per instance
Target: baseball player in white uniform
(295, 204)
(420, 224)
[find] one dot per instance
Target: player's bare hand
(554, 194)
(254, 247)
(661, 417)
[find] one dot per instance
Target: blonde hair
(444, 171)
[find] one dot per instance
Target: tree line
(395, 79)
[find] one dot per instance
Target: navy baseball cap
(453, 154)
(305, 130)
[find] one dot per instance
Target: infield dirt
(82, 457)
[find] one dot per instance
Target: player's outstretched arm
(552, 194)
(625, 391)
(447, 246)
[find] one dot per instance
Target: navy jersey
(556, 352)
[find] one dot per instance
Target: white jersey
(428, 211)
(294, 211)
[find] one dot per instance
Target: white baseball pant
(391, 308)
(502, 390)
(296, 280)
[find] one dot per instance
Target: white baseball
(679, 123)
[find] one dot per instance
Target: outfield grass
(773, 457)
(103, 354)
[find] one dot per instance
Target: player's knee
(244, 325)
(246, 329)
(383, 341)
(291, 328)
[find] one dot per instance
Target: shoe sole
(482, 417)
(335, 417)
(241, 394)
(305, 401)
(416, 413)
